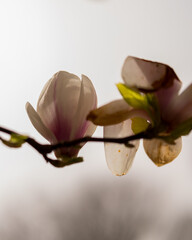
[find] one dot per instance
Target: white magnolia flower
(62, 109)
(152, 97)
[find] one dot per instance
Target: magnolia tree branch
(45, 149)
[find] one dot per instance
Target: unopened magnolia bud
(62, 109)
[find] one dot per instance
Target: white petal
(45, 104)
(181, 107)
(45, 89)
(87, 102)
(58, 103)
(91, 129)
(119, 158)
(38, 124)
(161, 152)
(145, 74)
(114, 113)
(167, 96)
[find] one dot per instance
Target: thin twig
(45, 149)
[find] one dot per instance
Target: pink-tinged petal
(62, 75)
(119, 158)
(114, 113)
(181, 107)
(58, 103)
(62, 109)
(87, 102)
(161, 152)
(91, 129)
(147, 75)
(166, 96)
(38, 124)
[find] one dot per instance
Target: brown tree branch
(45, 149)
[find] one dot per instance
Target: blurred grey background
(85, 201)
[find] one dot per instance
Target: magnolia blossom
(151, 98)
(62, 109)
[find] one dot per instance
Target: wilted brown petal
(147, 75)
(161, 152)
(115, 112)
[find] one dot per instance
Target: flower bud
(62, 108)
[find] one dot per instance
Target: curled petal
(114, 113)
(181, 107)
(167, 96)
(147, 75)
(38, 124)
(161, 152)
(119, 157)
(111, 113)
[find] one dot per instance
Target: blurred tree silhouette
(100, 210)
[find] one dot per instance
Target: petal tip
(29, 108)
